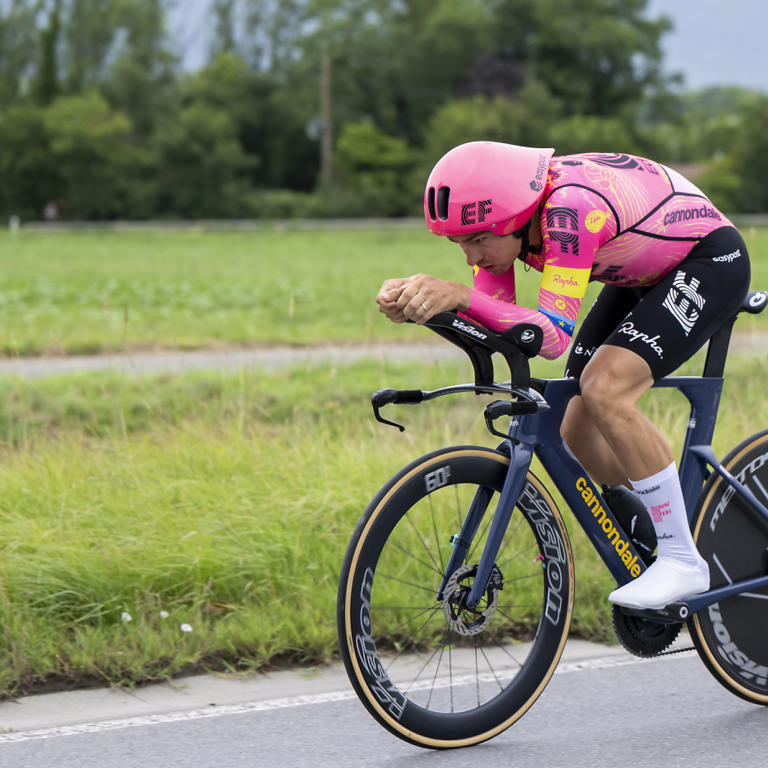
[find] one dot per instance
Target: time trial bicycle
(457, 587)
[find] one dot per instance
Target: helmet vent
(443, 194)
(431, 203)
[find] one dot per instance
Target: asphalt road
(602, 708)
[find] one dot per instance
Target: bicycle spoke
(521, 578)
(407, 583)
(759, 485)
(431, 566)
(409, 518)
(423, 667)
(437, 536)
(431, 612)
(519, 554)
(437, 668)
(487, 661)
(507, 616)
(477, 673)
(510, 536)
(504, 648)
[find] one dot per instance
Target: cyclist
(674, 269)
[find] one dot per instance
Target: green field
(159, 524)
(85, 292)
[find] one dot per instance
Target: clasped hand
(420, 297)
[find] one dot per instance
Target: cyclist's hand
(424, 296)
(387, 299)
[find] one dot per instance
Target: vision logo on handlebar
(469, 329)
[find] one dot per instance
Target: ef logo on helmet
(475, 213)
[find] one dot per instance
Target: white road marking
(281, 703)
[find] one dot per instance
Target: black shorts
(668, 322)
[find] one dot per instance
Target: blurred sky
(715, 42)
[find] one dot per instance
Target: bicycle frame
(535, 430)
(539, 434)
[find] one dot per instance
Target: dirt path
(270, 358)
(266, 358)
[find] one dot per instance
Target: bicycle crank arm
(673, 613)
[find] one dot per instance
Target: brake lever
(381, 419)
(386, 396)
(499, 408)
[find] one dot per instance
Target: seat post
(717, 351)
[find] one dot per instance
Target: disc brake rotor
(462, 619)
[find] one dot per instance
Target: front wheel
(730, 636)
(433, 671)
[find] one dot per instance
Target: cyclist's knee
(614, 383)
(600, 390)
(576, 423)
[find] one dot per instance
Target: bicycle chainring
(462, 619)
(643, 637)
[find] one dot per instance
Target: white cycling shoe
(662, 583)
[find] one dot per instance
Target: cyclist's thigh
(679, 314)
(610, 308)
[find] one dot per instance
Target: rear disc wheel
(730, 635)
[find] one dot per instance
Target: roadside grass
(157, 525)
(91, 292)
(167, 523)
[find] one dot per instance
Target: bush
(736, 181)
(284, 204)
(372, 171)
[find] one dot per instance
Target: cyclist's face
(492, 253)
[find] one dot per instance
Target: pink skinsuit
(616, 219)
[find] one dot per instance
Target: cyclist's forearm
(499, 315)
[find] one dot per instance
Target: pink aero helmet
(485, 185)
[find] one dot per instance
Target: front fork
(520, 458)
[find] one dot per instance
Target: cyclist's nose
(473, 255)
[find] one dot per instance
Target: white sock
(663, 498)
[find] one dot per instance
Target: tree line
(338, 107)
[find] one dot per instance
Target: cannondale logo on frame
(475, 213)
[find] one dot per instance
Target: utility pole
(326, 134)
